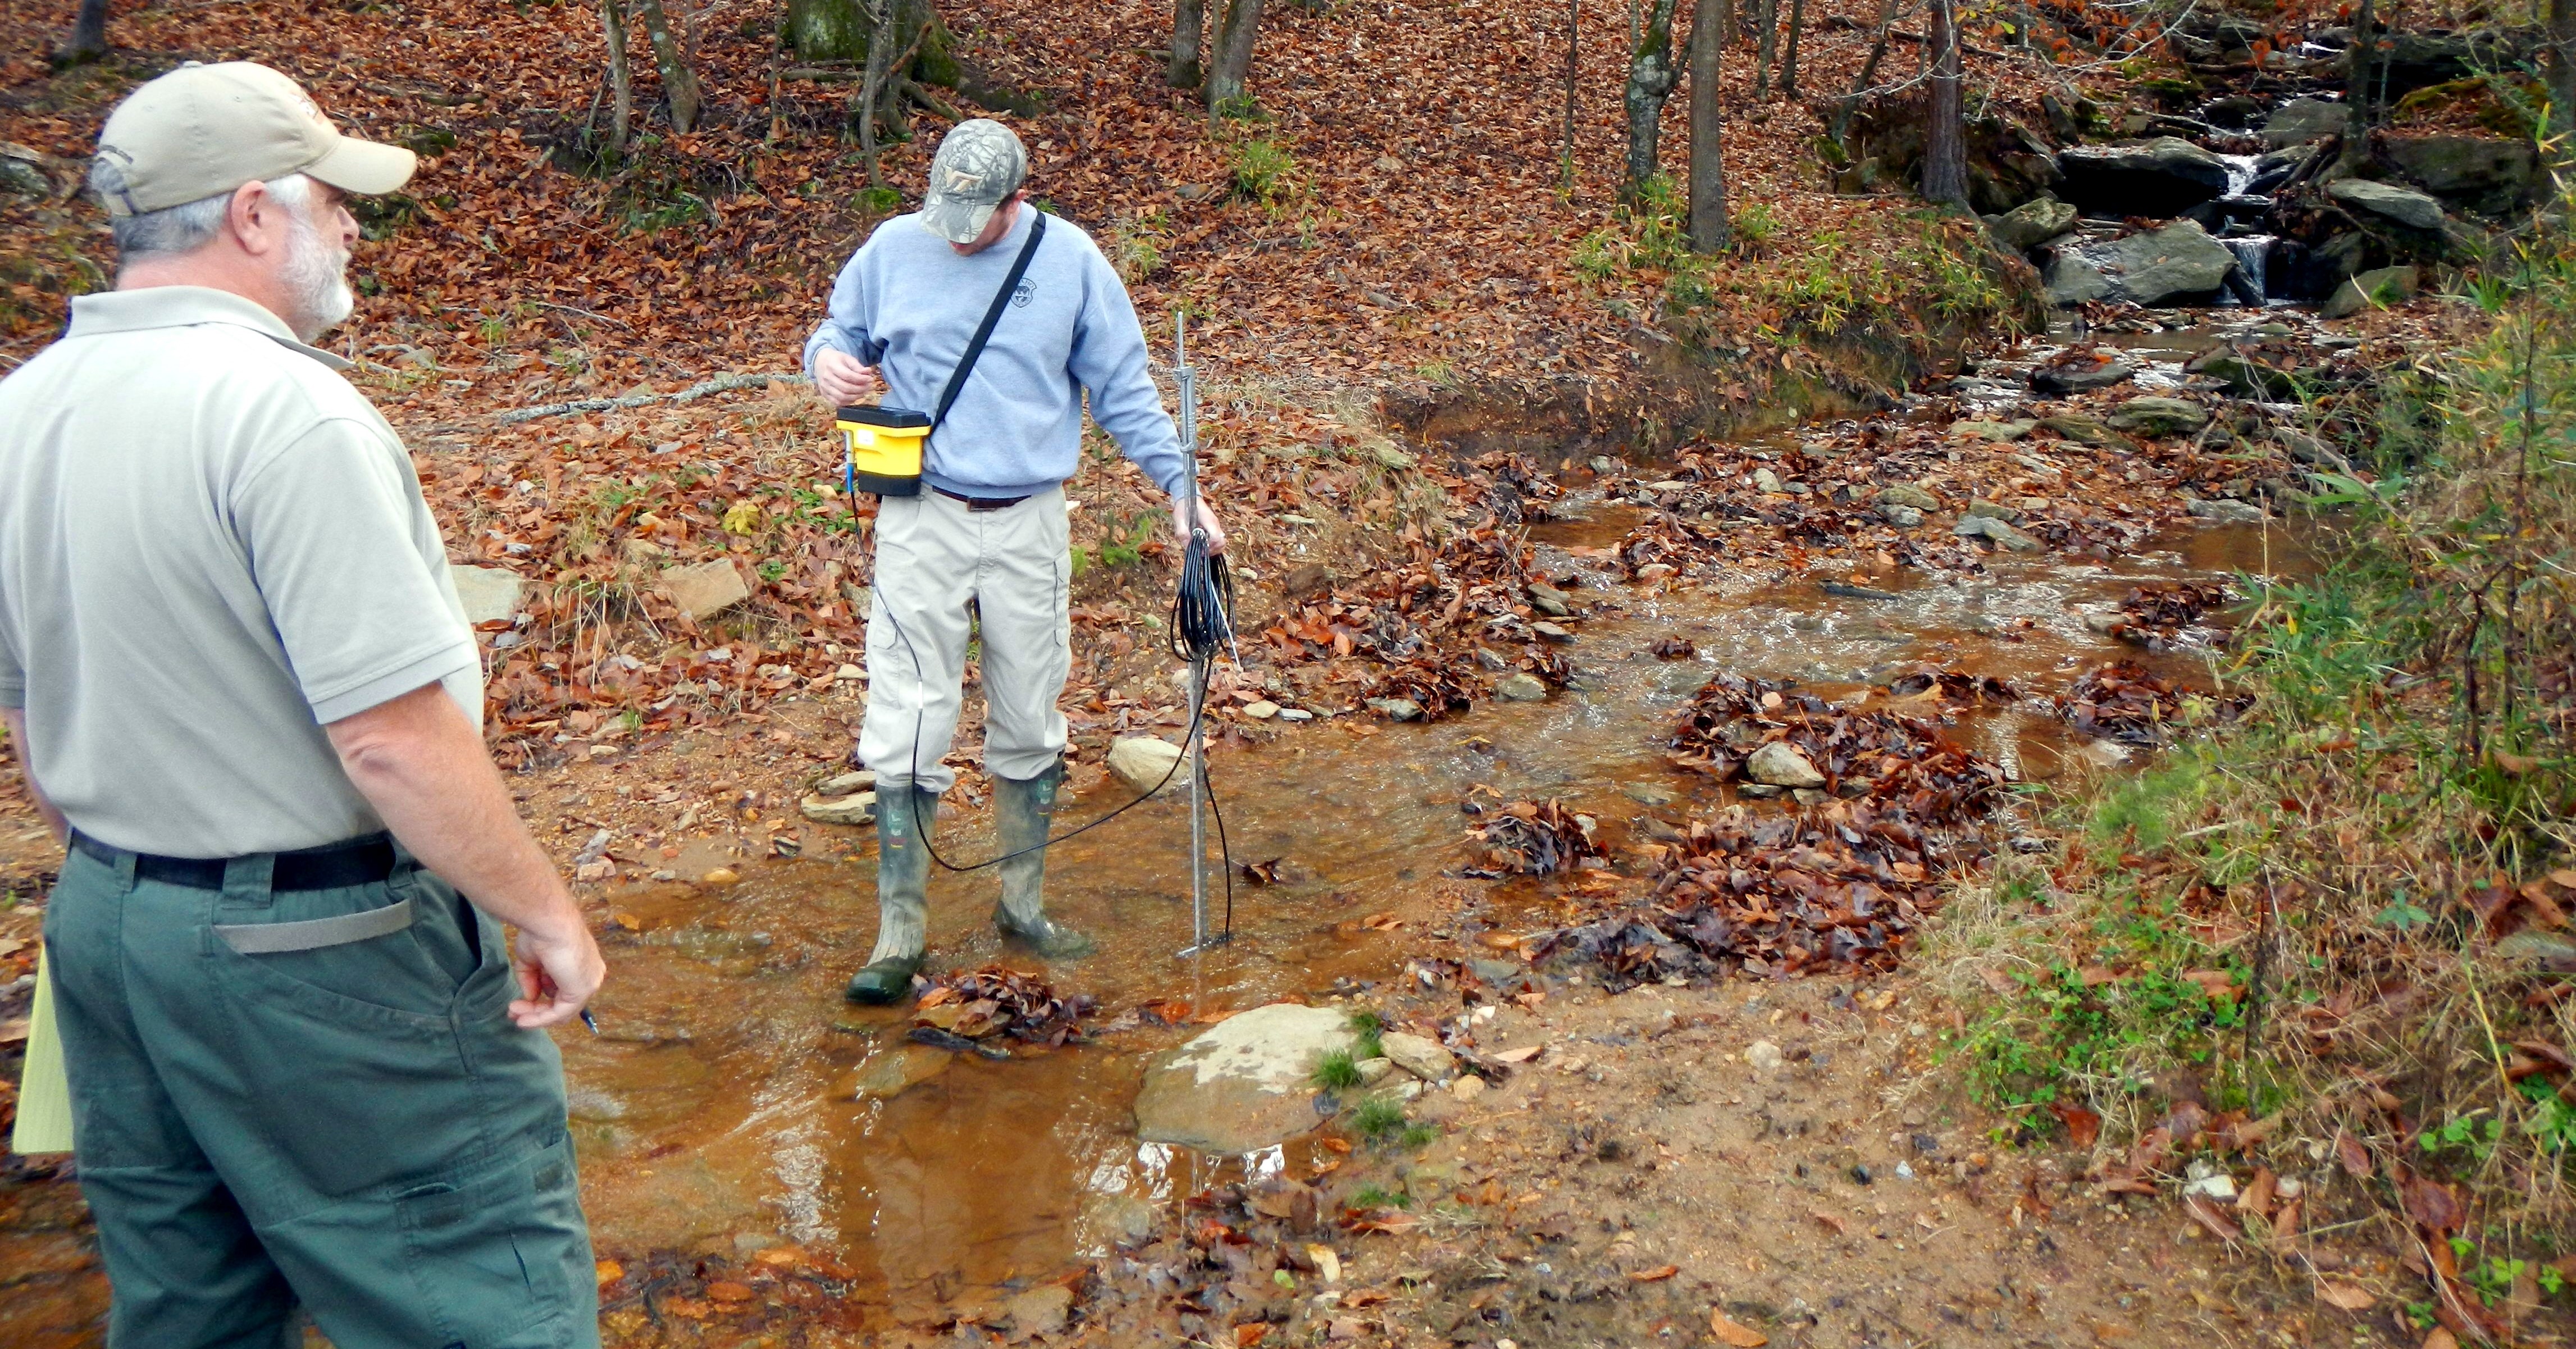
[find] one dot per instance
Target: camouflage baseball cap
(979, 164)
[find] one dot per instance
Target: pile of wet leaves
(1902, 764)
(1533, 838)
(1435, 685)
(1841, 888)
(2164, 615)
(997, 1002)
(1954, 686)
(2121, 701)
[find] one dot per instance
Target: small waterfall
(2247, 282)
(2240, 174)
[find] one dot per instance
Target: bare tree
(2562, 76)
(621, 77)
(1945, 130)
(1789, 58)
(671, 57)
(1650, 82)
(1235, 28)
(89, 33)
(1573, 21)
(1189, 26)
(1766, 37)
(2356, 98)
(1708, 224)
(1840, 126)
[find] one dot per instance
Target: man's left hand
(1208, 522)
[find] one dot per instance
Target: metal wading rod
(1196, 750)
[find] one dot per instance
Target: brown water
(711, 1112)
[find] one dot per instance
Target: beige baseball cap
(203, 130)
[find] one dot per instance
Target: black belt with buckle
(980, 503)
(336, 866)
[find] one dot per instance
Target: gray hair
(183, 228)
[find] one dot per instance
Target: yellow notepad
(44, 1094)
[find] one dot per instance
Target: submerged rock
(2227, 512)
(1907, 494)
(894, 1072)
(1994, 530)
(1523, 687)
(2081, 377)
(1243, 1085)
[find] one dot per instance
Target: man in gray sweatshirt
(989, 526)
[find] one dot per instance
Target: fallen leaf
(1656, 1275)
(726, 1290)
(609, 1272)
(2083, 1126)
(1830, 1222)
(1743, 1337)
(1250, 1333)
(2350, 1152)
(2209, 1215)
(2441, 1338)
(2352, 1297)
(2432, 1205)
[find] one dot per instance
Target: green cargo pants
(359, 1128)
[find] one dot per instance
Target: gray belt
(260, 939)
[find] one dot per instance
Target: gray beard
(317, 282)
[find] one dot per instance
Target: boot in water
(1022, 813)
(905, 818)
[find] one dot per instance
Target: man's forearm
(420, 762)
(16, 717)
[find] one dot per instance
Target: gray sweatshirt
(908, 304)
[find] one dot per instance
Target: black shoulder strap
(992, 316)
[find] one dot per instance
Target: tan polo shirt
(210, 546)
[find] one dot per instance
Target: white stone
(490, 594)
(705, 589)
(1763, 1055)
(858, 780)
(855, 809)
(1779, 765)
(1419, 1055)
(1261, 710)
(1246, 1083)
(1143, 762)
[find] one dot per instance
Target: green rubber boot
(903, 876)
(1022, 812)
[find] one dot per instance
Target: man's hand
(559, 970)
(1208, 522)
(420, 761)
(840, 377)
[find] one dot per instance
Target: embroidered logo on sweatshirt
(1020, 297)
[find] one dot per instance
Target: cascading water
(2247, 283)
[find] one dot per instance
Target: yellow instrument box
(885, 448)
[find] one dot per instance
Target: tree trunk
(1188, 69)
(1789, 58)
(1573, 23)
(2561, 69)
(1235, 28)
(2356, 97)
(1708, 224)
(679, 83)
(1650, 82)
(621, 78)
(1945, 131)
(89, 32)
(1766, 38)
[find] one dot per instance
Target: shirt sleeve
(359, 599)
(1109, 361)
(845, 322)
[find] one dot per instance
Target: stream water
(715, 1110)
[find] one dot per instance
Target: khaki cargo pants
(359, 1128)
(934, 556)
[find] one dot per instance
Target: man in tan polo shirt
(235, 668)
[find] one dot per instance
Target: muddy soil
(765, 1164)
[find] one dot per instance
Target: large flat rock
(1244, 1085)
(490, 594)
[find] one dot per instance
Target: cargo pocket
(502, 1257)
(349, 1054)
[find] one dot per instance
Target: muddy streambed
(720, 1110)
